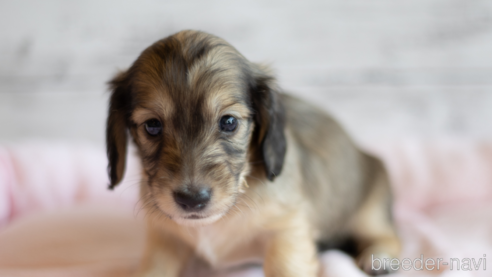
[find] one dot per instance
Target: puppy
(235, 171)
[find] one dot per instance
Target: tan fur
(320, 189)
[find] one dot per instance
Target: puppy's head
(201, 116)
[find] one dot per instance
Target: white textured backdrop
(387, 69)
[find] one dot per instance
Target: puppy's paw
(375, 262)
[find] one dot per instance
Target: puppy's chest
(225, 246)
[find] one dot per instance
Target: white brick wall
(385, 68)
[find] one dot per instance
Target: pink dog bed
(58, 219)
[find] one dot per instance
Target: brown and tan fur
(288, 178)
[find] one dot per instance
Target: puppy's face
(195, 109)
(193, 131)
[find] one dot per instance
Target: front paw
(155, 272)
(374, 262)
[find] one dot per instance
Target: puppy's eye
(228, 123)
(153, 127)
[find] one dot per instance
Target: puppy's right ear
(116, 127)
(270, 121)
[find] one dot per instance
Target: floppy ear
(116, 128)
(270, 121)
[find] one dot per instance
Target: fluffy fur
(287, 180)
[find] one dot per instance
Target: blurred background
(386, 69)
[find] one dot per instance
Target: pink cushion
(58, 219)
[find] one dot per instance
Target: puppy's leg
(164, 256)
(291, 252)
(373, 229)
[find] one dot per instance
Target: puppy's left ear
(270, 121)
(116, 128)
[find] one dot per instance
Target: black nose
(192, 200)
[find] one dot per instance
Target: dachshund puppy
(235, 171)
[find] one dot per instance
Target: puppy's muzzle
(192, 199)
